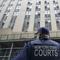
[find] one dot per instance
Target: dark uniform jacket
(40, 50)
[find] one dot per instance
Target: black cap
(43, 30)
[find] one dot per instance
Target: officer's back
(43, 48)
(40, 49)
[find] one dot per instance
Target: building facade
(29, 15)
(20, 17)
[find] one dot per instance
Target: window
(46, 2)
(10, 5)
(16, 10)
(19, 4)
(3, 24)
(28, 9)
(37, 21)
(4, 0)
(38, 3)
(47, 16)
(47, 8)
(25, 26)
(38, 8)
(26, 23)
(2, 5)
(19, 0)
(58, 24)
(57, 15)
(48, 25)
(12, 22)
(56, 8)
(12, 0)
(37, 15)
(8, 10)
(55, 2)
(29, 3)
(0, 10)
(4, 17)
(36, 26)
(27, 17)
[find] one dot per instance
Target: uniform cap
(43, 30)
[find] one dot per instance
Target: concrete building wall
(13, 12)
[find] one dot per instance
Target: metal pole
(10, 51)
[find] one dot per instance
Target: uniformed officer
(40, 49)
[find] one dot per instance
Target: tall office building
(29, 15)
(18, 16)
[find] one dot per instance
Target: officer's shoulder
(54, 42)
(36, 41)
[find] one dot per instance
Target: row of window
(8, 10)
(11, 4)
(27, 17)
(37, 15)
(57, 14)
(28, 8)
